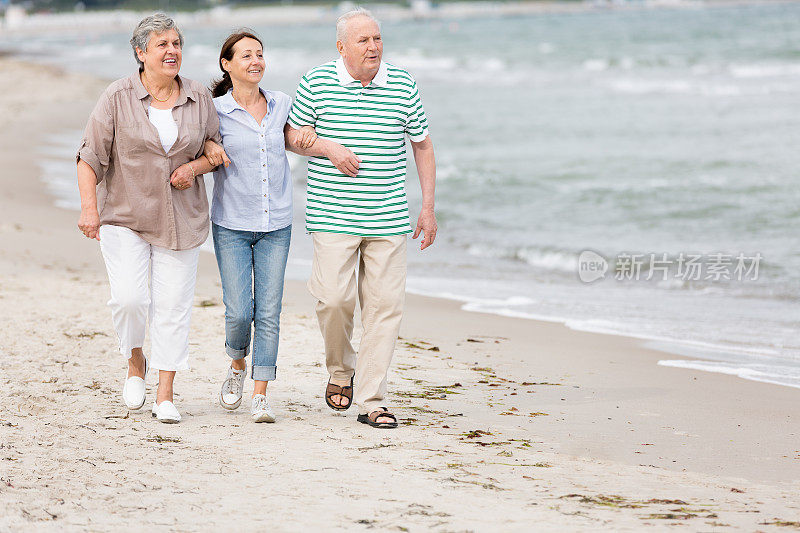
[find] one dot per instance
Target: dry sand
(507, 425)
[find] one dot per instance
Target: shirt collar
(227, 103)
(185, 91)
(381, 78)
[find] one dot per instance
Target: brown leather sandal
(371, 419)
(336, 390)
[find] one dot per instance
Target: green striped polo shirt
(372, 121)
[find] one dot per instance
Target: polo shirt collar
(185, 92)
(381, 78)
(228, 103)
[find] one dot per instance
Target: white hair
(341, 22)
(156, 23)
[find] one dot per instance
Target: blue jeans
(251, 267)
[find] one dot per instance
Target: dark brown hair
(223, 85)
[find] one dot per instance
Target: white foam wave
(95, 51)
(596, 65)
(719, 88)
(418, 62)
(546, 48)
(762, 70)
(445, 171)
(544, 259)
(778, 375)
(640, 86)
(564, 262)
(608, 327)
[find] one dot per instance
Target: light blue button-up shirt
(255, 192)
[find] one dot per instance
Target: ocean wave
(446, 171)
(757, 361)
(660, 86)
(95, 51)
(765, 70)
(596, 65)
(414, 60)
(700, 87)
(541, 258)
(468, 70)
(546, 48)
(786, 375)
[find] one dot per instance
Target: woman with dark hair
(141, 154)
(251, 212)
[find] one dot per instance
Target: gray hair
(156, 23)
(341, 22)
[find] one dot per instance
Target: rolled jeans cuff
(263, 373)
(233, 353)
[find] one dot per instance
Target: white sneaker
(230, 396)
(166, 412)
(260, 409)
(133, 392)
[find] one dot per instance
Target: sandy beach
(506, 424)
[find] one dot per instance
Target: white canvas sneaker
(166, 412)
(260, 409)
(133, 392)
(230, 396)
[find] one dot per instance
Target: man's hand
(426, 223)
(343, 158)
(89, 223)
(426, 168)
(182, 177)
(215, 154)
(307, 136)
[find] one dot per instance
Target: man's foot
(261, 410)
(230, 396)
(338, 397)
(379, 418)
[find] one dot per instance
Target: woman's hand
(307, 136)
(182, 177)
(89, 223)
(216, 154)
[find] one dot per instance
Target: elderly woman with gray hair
(141, 162)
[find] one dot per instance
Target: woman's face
(163, 54)
(247, 64)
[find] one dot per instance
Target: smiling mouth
(257, 71)
(171, 61)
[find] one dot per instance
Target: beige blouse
(123, 148)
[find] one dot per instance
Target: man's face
(362, 47)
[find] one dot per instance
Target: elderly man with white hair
(357, 212)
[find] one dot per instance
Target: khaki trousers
(380, 286)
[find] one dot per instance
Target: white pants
(150, 280)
